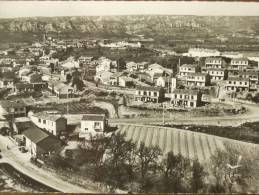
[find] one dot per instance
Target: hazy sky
(10, 9)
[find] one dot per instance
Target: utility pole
(163, 114)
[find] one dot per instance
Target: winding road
(252, 115)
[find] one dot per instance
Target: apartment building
(184, 98)
(236, 84)
(239, 63)
(12, 109)
(215, 62)
(187, 69)
(216, 74)
(149, 94)
(198, 80)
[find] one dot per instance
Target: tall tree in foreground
(118, 170)
(198, 176)
(176, 173)
(147, 159)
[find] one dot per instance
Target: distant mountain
(149, 25)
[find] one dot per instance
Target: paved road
(21, 162)
(252, 115)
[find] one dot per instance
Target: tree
(95, 149)
(121, 64)
(118, 161)
(69, 78)
(147, 158)
(198, 176)
(78, 83)
(176, 173)
(229, 172)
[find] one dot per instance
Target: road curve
(252, 115)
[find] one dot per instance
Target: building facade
(149, 94)
(183, 98)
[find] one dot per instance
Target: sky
(13, 9)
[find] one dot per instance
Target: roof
(41, 138)
(93, 117)
(248, 73)
(12, 104)
(186, 91)
(213, 58)
(23, 85)
(237, 79)
(239, 59)
(148, 88)
(189, 65)
(35, 134)
(49, 143)
(213, 69)
(198, 74)
(48, 116)
(156, 75)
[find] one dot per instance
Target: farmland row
(190, 144)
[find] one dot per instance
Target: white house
(53, 123)
(92, 125)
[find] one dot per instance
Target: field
(190, 144)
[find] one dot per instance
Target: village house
(198, 80)
(7, 83)
(216, 74)
(215, 62)
(252, 75)
(186, 69)
(61, 90)
(92, 125)
(40, 143)
(184, 98)
(239, 63)
(29, 87)
(119, 79)
(33, 77)
(163, 81)
(236, 84)
(132, 66)
(12, 109)
(51, 122)
(103, 77)
(149, 94)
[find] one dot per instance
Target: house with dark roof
(149, 94)
(184, 98)
(13, 109)
(92, 125)
(39, 142)
(51, 122)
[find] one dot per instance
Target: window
(97, 125)
(240, 83)
(245, 83)
(145, 93)
(39, 120)
(192, 97)
(181, 96)
(44, 121)
(155, 93)
(230, 82)
(149, 93)
(175, 96)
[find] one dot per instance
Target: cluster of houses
(154, 83)
(41, 133)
